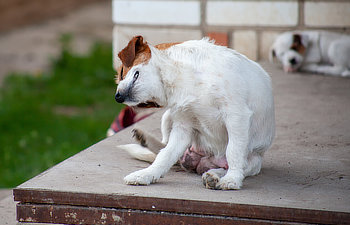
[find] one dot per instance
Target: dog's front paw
(230, 182)
(141, 177)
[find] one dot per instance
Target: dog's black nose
(119, 98)
(293, 61)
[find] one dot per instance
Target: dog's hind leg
(253, 165)
(237, 123)
(166, 125)
(179, 141)
(325, 69)
(147, 140)
(146, 150)
(212, 177)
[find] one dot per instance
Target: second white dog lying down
(313, 51)
(217, 100)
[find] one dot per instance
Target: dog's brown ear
(298, 44)
(128, 54)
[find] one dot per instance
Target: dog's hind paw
(212, 177)
(139, 137)
(218, 179)
(210, 180)
(141, 177)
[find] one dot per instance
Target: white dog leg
(237, 125)
(253, 166)
(166, 125)
(179, 140)
(211, 178)
(323, 69)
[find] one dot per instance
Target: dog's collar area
(148, 104)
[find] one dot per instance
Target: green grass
(46, 118)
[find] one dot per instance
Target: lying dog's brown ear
(298, 44)
(128, 54)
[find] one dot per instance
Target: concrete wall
(248, 26)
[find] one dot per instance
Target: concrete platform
(305, 176)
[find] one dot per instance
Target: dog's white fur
(325, 52)
(217, 100)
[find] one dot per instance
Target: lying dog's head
(289, 48)
(139, 82)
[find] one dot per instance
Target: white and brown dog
(313, 51)
(217, 100)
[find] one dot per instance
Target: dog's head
(289, 48)
(139, 82)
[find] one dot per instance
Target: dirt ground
(31, 48)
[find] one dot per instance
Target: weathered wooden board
(65, 207)
(98, 215)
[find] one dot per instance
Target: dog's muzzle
(119, 97)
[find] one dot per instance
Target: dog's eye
(295, 48)
(121, 73)
(136, 74)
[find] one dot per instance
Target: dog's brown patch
(166, 45)
(135, 49)
(142, 56)
(136, 52)
(121, 73)
(297, 44)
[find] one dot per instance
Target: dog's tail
(139, 152)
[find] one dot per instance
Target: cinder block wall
(249, 26)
